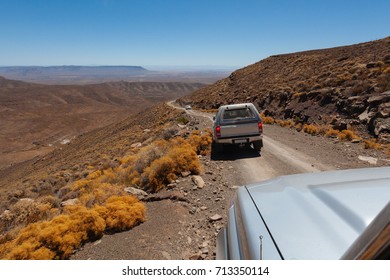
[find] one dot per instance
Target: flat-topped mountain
(66, 74)
(70, 75)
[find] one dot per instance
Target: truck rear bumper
(239, 140)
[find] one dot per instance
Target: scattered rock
(215, 218)
(381, 126)
(97, 242)
(197, 256)
(29, 200)
(357, 140)
(148, 141)
(205, 251)
(7, 214)
(384, 110)
(70, 202)
(379, 99)
(370, 160)
(185, 173)
(137, 192)
(136, 145)
(199, 182)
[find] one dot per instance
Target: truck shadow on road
(232, 153)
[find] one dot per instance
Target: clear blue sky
(180, 32)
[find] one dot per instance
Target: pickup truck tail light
(260, 126)
(218, 131)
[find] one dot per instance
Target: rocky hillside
(36, 118)
(348, 87)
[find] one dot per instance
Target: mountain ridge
(347, 84)
(36, 117)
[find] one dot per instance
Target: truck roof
(236, 106)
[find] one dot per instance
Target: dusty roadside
(182, 222)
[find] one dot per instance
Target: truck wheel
(257, 145)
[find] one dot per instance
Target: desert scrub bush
(169, 133)
(164, 170)
(347, 134)
(98, 193)
(383, 81)
(161, 162)
(131, 167)
(200, 142)
(59, 237)
(267, 119)
(332, 133)
(182, 120)
(372, 144)
(311, 129)
(285, 123)
(360, 87)
(122, 213)
(25, 212)
(298, 127)
(149, 154)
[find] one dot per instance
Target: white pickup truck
(237, 124)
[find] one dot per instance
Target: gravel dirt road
(182, 222)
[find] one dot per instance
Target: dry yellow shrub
(165, 169)
(285, 123)
(109, 175)
(127, 160)
(98, 193)
(25, 212)
(348, 135)
(201, 142)
(342, 135)
(332, 133)
(57, 238)
(94, 175)
(267, 120)
(372, 144)
(122, 212)
(311, 129)
(81, 184)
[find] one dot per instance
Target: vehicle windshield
(242, 113)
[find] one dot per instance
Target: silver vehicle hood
(320, 215)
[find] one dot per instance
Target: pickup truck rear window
(235, 114)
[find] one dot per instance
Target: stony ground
(183, 221)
